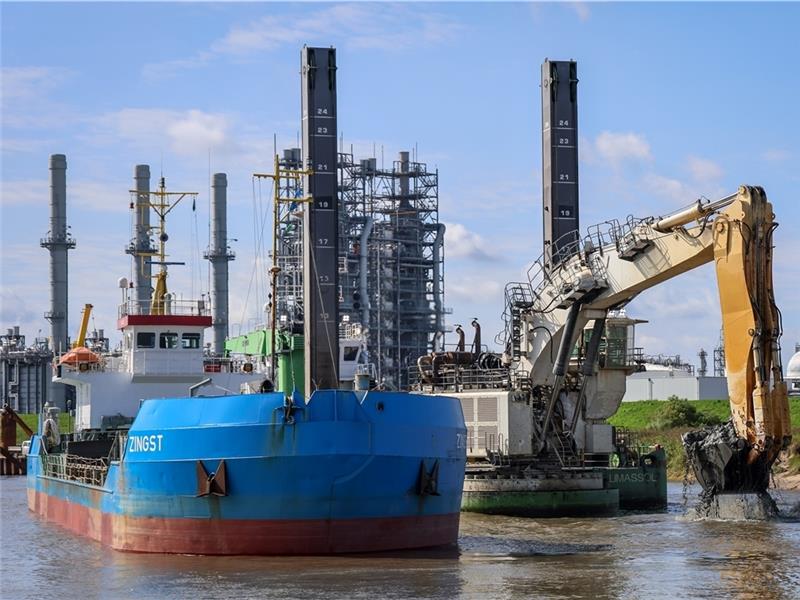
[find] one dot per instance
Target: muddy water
(631, 556)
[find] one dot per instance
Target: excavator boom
(606, 270)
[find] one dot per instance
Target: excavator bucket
(723, 462)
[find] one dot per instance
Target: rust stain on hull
(256, 537)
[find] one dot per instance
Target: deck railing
(84, 469)
(193, 308)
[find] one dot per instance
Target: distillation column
(219, 256)
(58, 242)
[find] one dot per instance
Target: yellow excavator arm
(751, 324)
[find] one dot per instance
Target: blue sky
(675, 101)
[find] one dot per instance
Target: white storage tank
(793, 372)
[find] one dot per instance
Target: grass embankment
(663, 422)
(65, 423)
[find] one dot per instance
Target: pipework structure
(390, 260)
(141, 246)
(392, 264)
(219, 255)
(25, 372)
(58, 242)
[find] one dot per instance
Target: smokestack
(58, 242)
(140, 247)
(402, 158)
(219, 256)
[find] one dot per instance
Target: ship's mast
(276, 176)
(162, 203)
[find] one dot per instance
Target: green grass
(639, 416)
(65, 423)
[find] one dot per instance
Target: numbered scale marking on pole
(320, 258)
(559, 156)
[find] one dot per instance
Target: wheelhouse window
(168, 340)
(350, 353)
(145, 339)
(190, 341)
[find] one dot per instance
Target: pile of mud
(723, 462)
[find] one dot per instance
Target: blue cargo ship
(307, 469)
(254, 474)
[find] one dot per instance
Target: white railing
(195, 308)
(161, 362)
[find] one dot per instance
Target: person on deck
(50, 432)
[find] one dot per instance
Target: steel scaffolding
(391, 260)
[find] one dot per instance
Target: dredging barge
(585, 468)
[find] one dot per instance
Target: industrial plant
(399, 300)
(390, 260)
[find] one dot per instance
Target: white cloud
(460, 242)
(93, 195)
(196, 129)
(25, 83)
(581, 9)
(475, 289)
(704, 181)
(187, 133)
(616, 148)
(704, 170)
(667, 187)
(27, 99)
(362, 26)
(20, 145)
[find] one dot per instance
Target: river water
(633, 556)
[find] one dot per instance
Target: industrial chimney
(141, 248)
(57, 242)
(219, 256)
(403, 162)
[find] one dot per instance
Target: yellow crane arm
(81, 340)
(159, 298)
(751, 323)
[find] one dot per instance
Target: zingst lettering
(145, 443)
